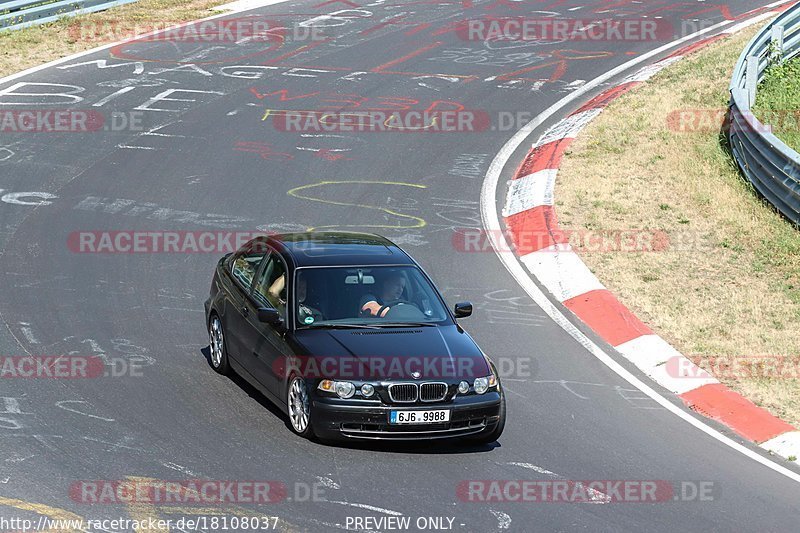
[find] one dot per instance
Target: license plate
(419, 417)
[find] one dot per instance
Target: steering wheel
(392, 303)
(403, 310)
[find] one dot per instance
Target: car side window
(271, 285)
(245, 264)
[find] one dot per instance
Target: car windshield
(382, 296)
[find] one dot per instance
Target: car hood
(442, 352)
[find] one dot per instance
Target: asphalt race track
(205, 157)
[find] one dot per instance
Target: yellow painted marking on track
(409, 128)
(143, 511)
(418, 222)
(44, 510)
(217, 511)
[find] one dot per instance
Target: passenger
(305, 313)
(278, 290)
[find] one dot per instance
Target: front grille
(431, 431)
(432, 392)
(403, 392)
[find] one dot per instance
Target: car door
(265, 343)
(243, 267)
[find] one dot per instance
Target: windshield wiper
(405, 324)
(339, 326)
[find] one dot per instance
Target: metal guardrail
(18, 14)
(768, 163)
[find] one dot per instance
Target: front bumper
(341, 419)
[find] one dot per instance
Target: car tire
(298, 406)
(494, 435)
(216, 341)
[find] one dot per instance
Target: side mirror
(269, 316)
(463, 309)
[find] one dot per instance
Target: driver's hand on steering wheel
(373, 308)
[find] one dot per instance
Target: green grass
(21, 49)
(733, 287)
(778, 101)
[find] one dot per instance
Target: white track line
(494, 229)
(367, 507)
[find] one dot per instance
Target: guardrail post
(777, 43)
(751, 80)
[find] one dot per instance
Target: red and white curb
(529, 211)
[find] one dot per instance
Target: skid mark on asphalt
(121, 444)
(414, 222)
(20, 459)
(28, 332)
(328, 482)
(500, 306)
(595, 496)
(63, 404)
(633, 397)
(6, 153)
(368, 507)
(180, 468)
(505, 388)
(503, 519)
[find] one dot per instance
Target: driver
(391, 292)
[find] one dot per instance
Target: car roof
(338, 248)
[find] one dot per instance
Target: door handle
(245, 311)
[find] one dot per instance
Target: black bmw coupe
(348, 336)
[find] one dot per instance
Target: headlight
(463, 387)
(483, 384)
(343, 389)
(367, 390)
